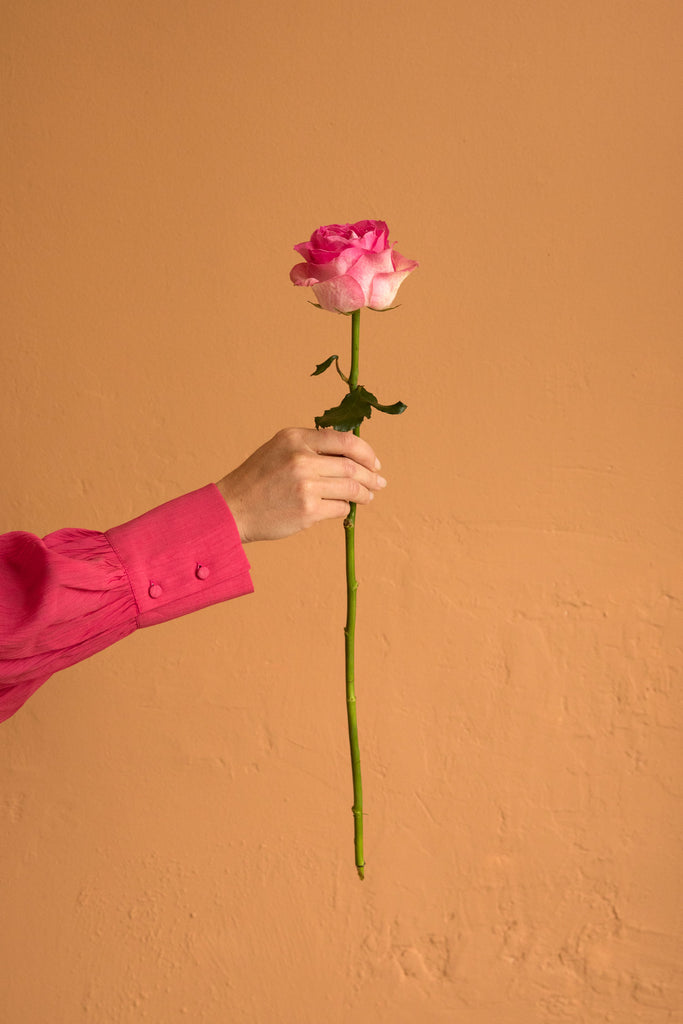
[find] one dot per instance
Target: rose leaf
(354, 408)
(321, 367)
(349, 414)
(393, 410)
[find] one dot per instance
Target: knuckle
(309, 506)
(307, 498)
(301, 489)
(356, 490)
(356, 448)
(288, 436)
(298, 463)
(346, 440)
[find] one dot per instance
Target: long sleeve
(75, 592)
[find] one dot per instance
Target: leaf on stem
(354, 408)
(392, 410)
(321, 367)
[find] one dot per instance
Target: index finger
(337, 442)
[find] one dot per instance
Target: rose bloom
(351, 265)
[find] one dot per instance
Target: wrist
(233, 504)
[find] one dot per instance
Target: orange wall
(175, 831)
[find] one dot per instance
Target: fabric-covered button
(201, 572)
(154, 590)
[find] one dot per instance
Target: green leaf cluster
(354, 408)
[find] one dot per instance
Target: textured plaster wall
(175, 832)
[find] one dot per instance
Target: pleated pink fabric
(75, 592)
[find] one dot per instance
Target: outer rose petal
(366, 268)
(337, 267)
(299, 274)
(341, 294)
(385, 286)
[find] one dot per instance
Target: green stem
(350, 633)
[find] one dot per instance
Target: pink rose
(351, 265)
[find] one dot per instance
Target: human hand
(299, 478)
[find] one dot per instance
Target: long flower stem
(350, 633)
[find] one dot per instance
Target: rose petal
(385, 286)
(326, 243)
(401, 263)
(374, 233)
(367, 266)
(340, 265)
(341, 294)
(300, 274)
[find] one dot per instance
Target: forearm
(70, 595)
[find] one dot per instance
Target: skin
(298, 478)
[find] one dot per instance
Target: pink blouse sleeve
(76, 592)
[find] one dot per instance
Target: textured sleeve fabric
(75, 592)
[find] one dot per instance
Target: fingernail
(381, 481)
(378, 464)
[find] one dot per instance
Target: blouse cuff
(181, 556)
